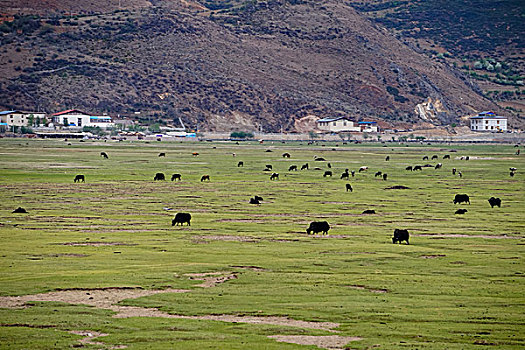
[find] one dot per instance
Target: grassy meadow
(458, 285)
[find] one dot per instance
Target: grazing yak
(385, 177)
(353, 173)
(319, 159)
(304, 166)
(494, 201)
(292, 168)
(349, 188)
(387, 158)
(461, 211)
(399, 236)
(378, 174)
(269, 166)
(327, 173)
(461, 198)
(254, 201)
(369, 211)
(176, 177)
(162, 154)
(454, 171)
(104, 154)
(434, 157)
(460, 174)
(329, 166)
(240, 164)
(345, 175)
(159, 177)
(318, 226)
(205, 178)
(438, 166)
(417, 167)
(79, 178)
(195, 154)
(274, 176)
(20, 210)
(513, 169)
(512, 173)
(446, 156)
(259, 198)
(181, 218)
(286, 155)
(425, 158)
(363, 168)
(409, 168)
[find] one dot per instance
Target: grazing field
(97, 264)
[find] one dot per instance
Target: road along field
(98, 264)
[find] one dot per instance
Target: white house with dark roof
(337, 124)
(488, 121)
(79, 119)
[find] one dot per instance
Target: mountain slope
(263, 66)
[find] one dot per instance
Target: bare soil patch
(97, 244)
(211, 279)
(101, 298)
(89, 336)
(432, 256)
(332, 342)
(226, 238)
(254, 268)
(453, 235)
(373, 290)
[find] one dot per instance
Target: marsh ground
(98, 264)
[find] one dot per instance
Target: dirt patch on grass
(432, 256)
(242, 220)
(454, 235)
(101, 298)
(253, 268)
(226, 238)
(372, 290)
(332, 342)
(97, 244)
(343, 253)
(89, 336)
(211, 279)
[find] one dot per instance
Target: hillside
(242, 65)
(483, 39)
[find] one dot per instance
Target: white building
(488, 121)
(368, 126)
(19, 118)
(79, 119)
(338, 124)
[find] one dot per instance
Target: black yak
(461, 198)
(181, 218)
(318, 226)
(79, 178)
(400, 235)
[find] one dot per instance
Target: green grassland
(458, 285)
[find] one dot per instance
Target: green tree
(241, 135)
(31, 120)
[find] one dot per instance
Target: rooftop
(69, 111)
(333, 119)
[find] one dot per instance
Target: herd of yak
(321, 226)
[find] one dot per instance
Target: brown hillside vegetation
(266, 65)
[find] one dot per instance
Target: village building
(79, 119)
(488, 121)
(337, 124)
(19, 118)
(368, 126)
